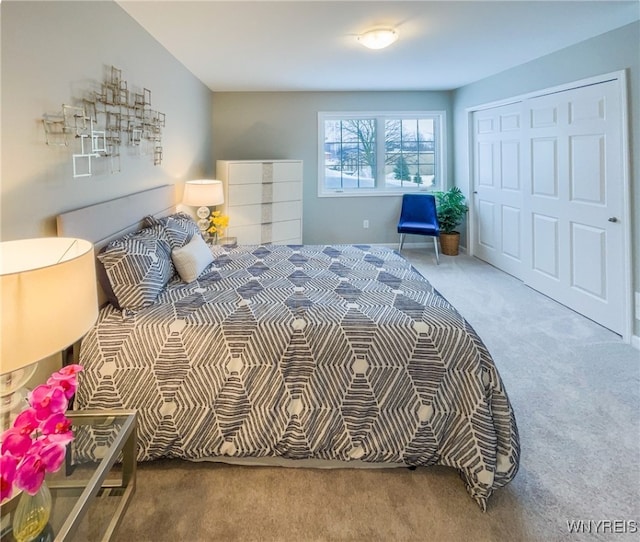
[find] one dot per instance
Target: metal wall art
(106, 120)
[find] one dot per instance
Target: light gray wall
(53, 52)
(278, 125)
(613, 51)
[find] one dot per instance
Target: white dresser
(263, 199)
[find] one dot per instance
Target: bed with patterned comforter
(305, 352)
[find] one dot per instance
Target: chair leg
(435, 244)
(401, 241)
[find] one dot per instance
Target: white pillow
(192, 259)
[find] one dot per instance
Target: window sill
(373, 193)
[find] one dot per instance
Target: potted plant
(451, 210)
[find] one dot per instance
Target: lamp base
(204, 224)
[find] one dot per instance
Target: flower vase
(32, 514)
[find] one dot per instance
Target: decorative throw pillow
(138, 267)
(192, 259)
(105, 283)
(150, 220)
(179, 229)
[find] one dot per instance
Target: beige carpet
(575, 388)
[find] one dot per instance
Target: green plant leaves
(451, 208)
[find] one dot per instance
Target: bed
(332, 355)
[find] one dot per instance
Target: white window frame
(440, 120)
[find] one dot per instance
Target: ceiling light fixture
(378, 38)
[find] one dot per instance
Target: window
(380, 153)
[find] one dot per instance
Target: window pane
(426, 130)
(408, 153)
(349, 153)
(402, 153)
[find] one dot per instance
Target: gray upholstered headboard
(108, 220)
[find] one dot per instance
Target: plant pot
(449, 243)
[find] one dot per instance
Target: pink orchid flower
(66, 379)
(69, 370)
(53, 451)
(15, 443)
(26, 422)
(58, 424)
(48, 400)
(46, 455)
(30, 473)
(37, 441)
(8, 466)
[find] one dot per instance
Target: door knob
(613, 219)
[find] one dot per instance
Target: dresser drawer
(286, 232)
(244, 194)
(258, 172)
(245, 215)
(247, 194)
(287, 171)
(245, 172)
(287, 191)
(246, 235)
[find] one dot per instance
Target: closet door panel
(498, 187)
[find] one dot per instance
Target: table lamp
(49, 300)
(203, 194)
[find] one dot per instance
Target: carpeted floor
(575, 388)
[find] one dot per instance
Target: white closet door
(548, 196)
(498, 187)
(574, 168)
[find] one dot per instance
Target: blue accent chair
(418, 216)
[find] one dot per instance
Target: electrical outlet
(365, 223)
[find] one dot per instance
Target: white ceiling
(310, 45)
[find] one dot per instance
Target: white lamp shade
(48, 295)
(203, 193)
(378, 38)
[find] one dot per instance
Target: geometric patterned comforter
(326, 352)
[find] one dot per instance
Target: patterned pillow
(105, 283)
(179, 229)
(138, 267)
(150, 220)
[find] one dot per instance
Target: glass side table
(230, 242)
(90, 498)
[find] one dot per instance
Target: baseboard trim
(395, 246)
(409, 245)
(635, 341)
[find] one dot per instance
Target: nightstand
(229, 242)
(90, 499)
